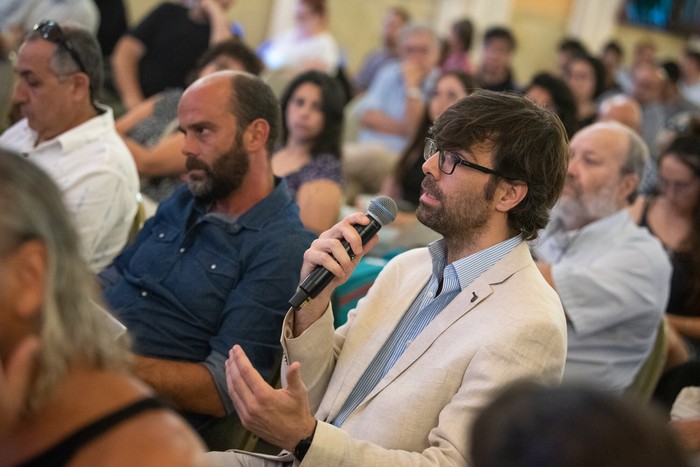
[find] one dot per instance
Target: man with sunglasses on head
(69, 135)
(444, 328)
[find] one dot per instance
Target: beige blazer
(508, 324)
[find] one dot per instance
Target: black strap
(62, 452)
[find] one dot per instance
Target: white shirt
(96, 174)
(691, 92)
(320, 51)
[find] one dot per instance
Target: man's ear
(256, 135)
(628, 185)
(29, 264)
(510, 194)
(81, 86)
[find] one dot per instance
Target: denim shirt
(194, 284)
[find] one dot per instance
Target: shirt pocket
(220, 271)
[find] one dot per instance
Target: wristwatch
(414, 93)
(303, 446)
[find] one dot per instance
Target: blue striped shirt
(432, 299)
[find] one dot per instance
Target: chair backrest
(648, 375)
(139, 219)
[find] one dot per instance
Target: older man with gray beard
(611, 275)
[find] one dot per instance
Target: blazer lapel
(464, 302)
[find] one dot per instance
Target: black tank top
(61, 453)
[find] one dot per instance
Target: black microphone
(382, 211)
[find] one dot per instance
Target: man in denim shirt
(217, 263)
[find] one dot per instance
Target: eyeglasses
(448, 160)
(52, 32)
(677, 187)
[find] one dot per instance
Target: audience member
(17, 17)
(529, 425)
(217, 262)
(611, 57)
(150, 129)
(673, 215)
(69, 135)
(312, 122)
(690, 75)
(495, 72)
(66, 396)
(567, 49)
(434, 340)
(622, 109)
(391, 110)
(310, 45)
(113, 24)
(675, 101)
(612, 276)
(163, 48)
(458, 46)
(550, 92)
(585, 76)
(394, 19)
(644, 53)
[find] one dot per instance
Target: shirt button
(213, 266)
(430, 294)
(161, 235)
(144, 293)
(182, 250)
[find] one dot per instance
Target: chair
(139, 219)
(649, 374)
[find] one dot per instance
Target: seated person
(163, 48)
(391, 109)
(495, 71)
(312, 122)
(308, 46)
(672, 214)
(394, 19)
(612, 276)
(585, 76)
(68, 134)
(217, 263)
(443, 328)
(66, 396)
(529, 425)
(458, 45)
(150, 129)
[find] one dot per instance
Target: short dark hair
(500, 32)
(332, 104)
(530, 425)
(693, 54)
(529, 144)
(464, 30)
(613, 46)
(251, 99)
(569, 44)
(235, 49)
(86, 47)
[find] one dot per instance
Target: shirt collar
(467, 269)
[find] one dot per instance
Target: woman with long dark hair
(312, 122)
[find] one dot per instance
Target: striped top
(446, 282)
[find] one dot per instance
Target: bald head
(623, 109)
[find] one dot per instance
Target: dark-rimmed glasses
(52, 32)
(448, 160)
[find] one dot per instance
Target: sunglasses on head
(52, 32)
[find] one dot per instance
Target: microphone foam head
(383, 209)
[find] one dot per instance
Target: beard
(223, 177)
(461, 218)
(577, 209)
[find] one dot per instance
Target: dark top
(173, 44)
(62, 452)
(680, 279)
(411, 184)
(321, 167)
(195, 283)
